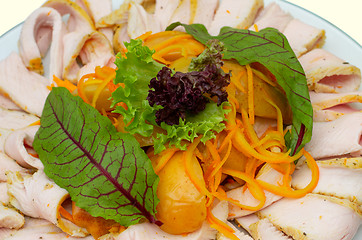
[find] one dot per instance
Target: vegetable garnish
(136, 70)
(105, 172)
(270, 48)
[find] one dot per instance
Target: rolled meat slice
(44, 28)
(27, 89)
(326, 72)
(18, 146)
(39, 197)
(330, 106)
(303, 37)
(10, 218)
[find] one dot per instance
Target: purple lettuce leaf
(105, 172)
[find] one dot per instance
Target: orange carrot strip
(250, 94)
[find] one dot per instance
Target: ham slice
(314, 217)
(272, 16)
(235, 13)
(164, 10)
(4, 197)
(336, 138)
(8, 164)
(39, 197)
(326, 72)
(303, 37)
(18, 146)
(10, 119)
(43, 28)
(27, 89)
(204, 12)
(267, 174)
(6, 103)
(330, 106)
(340, 177)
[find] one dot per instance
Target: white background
(345, 14)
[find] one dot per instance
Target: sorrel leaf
(270, 48)
(105, 172)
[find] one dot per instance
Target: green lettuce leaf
(205, 123)
(270, 48)
(105, 172)
(135, 71)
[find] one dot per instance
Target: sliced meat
(205, 11)
(80, 27)
(39, 197)
(338, 177)
(140, 21)
(164, 9)
(272, 16)
(330, 106)
(12, 120)
(27, 89)
(303, 37)
(314, 217)
(10, 218)
(235, 13)
(4, 197)
(35, 229)
(326, 72)
(44, 28)
(6, 103)
(336, 138)
(18, 145)
(261, 229)
(267, 174)
(8, 164)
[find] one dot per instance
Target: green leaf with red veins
(105, 172)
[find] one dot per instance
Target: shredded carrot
(65, 214)
(221, 226)
(35, 123)
(287, 191)
(64, 83)
(250, 94)
(101, 87)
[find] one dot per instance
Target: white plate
(337, 41)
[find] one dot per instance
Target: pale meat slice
(272, 16)
(27, 89)
(6, 103)
(79, 27)
(330, 106)
(43, 28)
(340, 177)
(314, 217)
(204, 12)
(336, 138)
(35, 229)
(164, 10)
(10, 218)
(261, 229)
(267, 174)
(303, 37)
(13, 119)
(18, 145)
(39, 197)
(326, 72)
(235, 13)
(237, 232)
(8, 164)
(148, 231)
(97, 10)
(96, 51)
(4, 197)
(140, 21)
